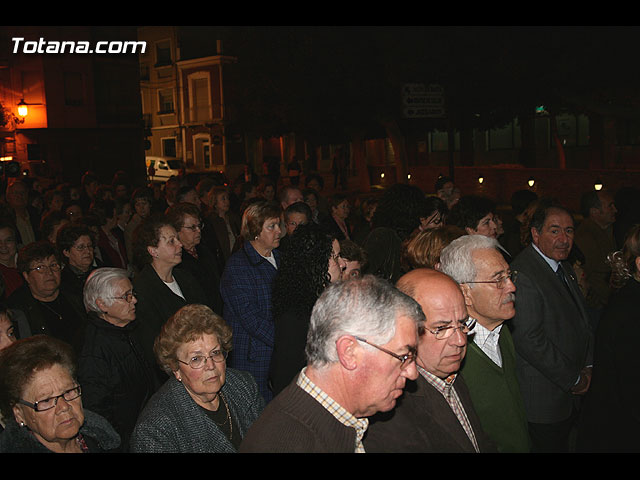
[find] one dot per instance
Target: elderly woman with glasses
(40, 398)
(48, 309)
(197, 258)
(204, 407)
(117, 380)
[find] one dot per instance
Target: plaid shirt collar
(335, 409)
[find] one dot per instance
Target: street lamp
(23, 110)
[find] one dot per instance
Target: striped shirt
(339, 413)
(445, 387)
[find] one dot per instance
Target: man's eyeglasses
(405, 360)
(501, 282)
(51, 402)
(199, 361)
(465, 327)
(127, 297)
(42, 269)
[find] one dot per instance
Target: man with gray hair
(361, 348)
(489, 369)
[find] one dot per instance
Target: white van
(159, 169)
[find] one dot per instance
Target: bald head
(429, 287)
(443, 305)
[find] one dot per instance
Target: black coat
(42, 317)
(206, 271)
(610, 418)
(157, 302)
(290, 339)
(116, 378)
(72, 284)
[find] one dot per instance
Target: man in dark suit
(551, 333)
(435, 413)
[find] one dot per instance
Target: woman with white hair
(116, 378)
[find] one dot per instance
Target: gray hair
(101, 284)
(368, 307)
(456, 260)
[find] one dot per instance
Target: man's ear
(535, 235)
(348, 351)
(466, 293)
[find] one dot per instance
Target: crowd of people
(192, 316)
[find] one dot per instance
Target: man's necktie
(565, 282)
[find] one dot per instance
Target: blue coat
(246, 287)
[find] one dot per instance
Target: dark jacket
(72, 283)
(423, 422)
(157, 302)
(206, 271)
(116, 378)
(290, 339)
(610, 414)
(172, 422)
(99, 436)
(295, 422)
(552, 336)
(42, 318)
(219, 228)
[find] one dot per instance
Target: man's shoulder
(294, 422)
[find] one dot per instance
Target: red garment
(112, 256)
(12, 279)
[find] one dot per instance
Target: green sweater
(496, 395)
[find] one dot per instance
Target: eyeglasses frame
(55, 399)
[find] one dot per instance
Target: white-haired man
(489, 369)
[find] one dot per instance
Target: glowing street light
(23, 110)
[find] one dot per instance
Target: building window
(627, 132)
(169, 147)
(439, 141)
(163, 53)
(199, 97)
(165, 101)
